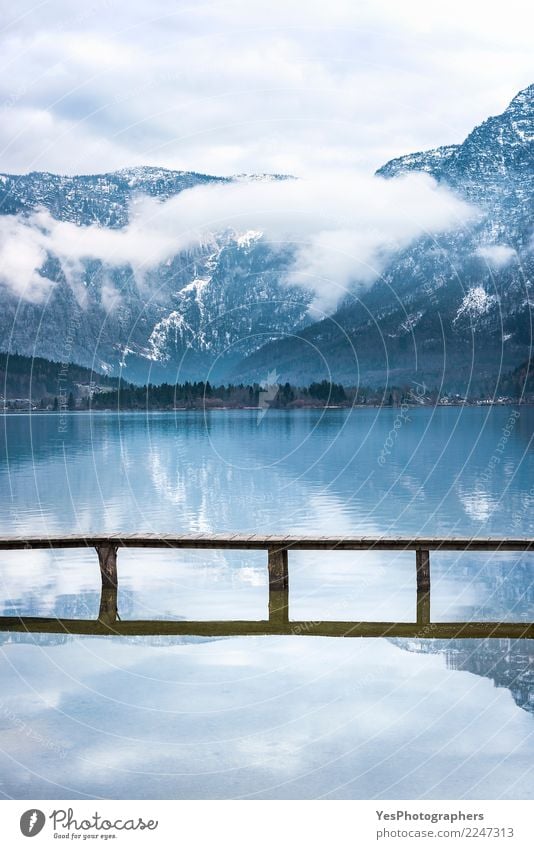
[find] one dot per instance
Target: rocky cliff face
(93, 199)
(201, 311)
(451, 308)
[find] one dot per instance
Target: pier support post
(108, 606)
(278, 586)
(422, 559)
(278, 570)
(107, 559)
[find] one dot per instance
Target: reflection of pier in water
(279, 622)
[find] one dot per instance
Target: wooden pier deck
(277, 548)
(260, 541)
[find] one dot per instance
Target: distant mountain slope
(454, 308)
(35, 377)
(95, 198)
(202, 310)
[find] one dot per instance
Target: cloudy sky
(229, 87)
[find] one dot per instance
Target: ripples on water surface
(268, 716)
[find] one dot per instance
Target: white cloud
(223, 88)
(21, 256)
(497, 256)
(343, 229)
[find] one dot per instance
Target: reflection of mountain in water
(225, 472)
(36, 639)
(508, 663)
(509, 587)
(82, 605)
(505, 582)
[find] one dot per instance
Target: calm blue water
(268, 717)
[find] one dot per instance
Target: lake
(268, 716)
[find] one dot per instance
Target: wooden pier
(277, 549)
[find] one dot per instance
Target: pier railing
(277, 548)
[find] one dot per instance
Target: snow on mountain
(443, 303)
(217, 301)
(443, 307)
(476, 302)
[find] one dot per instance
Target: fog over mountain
(419, 272)
(453, 306)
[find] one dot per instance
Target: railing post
(107, 560)
(422, 560)
(278, 586)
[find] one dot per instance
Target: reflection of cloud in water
(260, 716)
(182, 472)
(169, 483)
(478, 504)
(508, 663)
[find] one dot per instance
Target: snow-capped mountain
(93, 199)
(450, 307)
(200, 311)
(447, 308)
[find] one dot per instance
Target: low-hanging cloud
(342, 230)
(497, 256)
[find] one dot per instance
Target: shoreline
(348, 408)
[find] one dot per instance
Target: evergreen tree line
(57, 386)
(35, 377)
(200, 394)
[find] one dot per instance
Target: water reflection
(271, 712)
(279, 622)
(507, 662)
(255, 717)
(223, 471)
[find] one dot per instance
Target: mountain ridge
(451, 310)
(445, 310)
